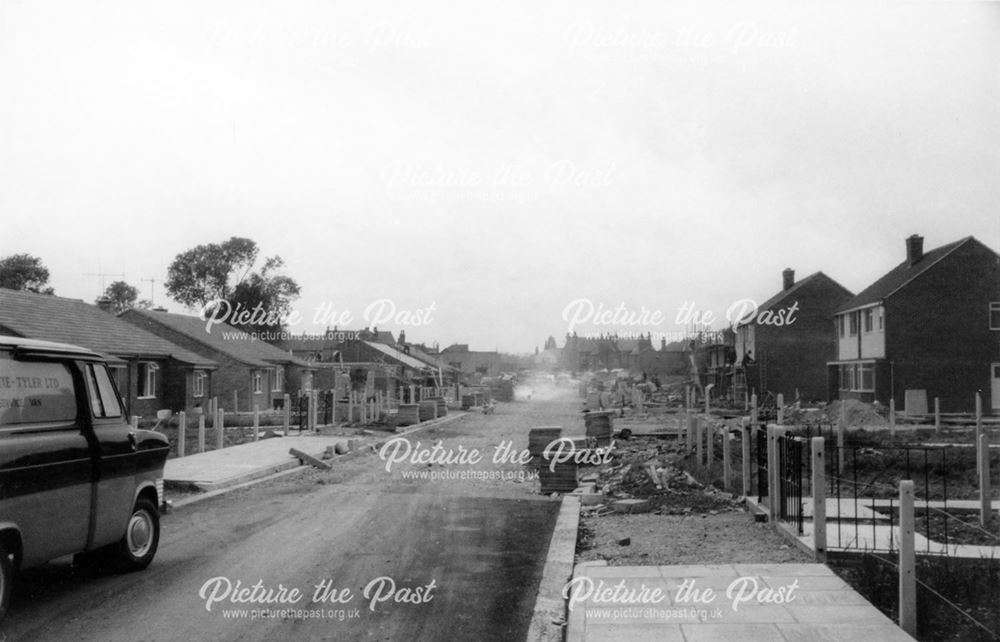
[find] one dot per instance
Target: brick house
(784, 347)
(251, 372)
(472, 364)
(931, 324)
(151, 373)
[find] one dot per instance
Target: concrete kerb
(548, 621)
(294, 466)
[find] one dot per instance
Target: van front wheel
(142, 535)
(6, 579)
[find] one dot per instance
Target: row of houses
(163, 360)
(928, 328)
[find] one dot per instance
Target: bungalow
(782, 346)
(930, 326)
(151, 373)
(251, 372)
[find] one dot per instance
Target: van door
(46, 466)
(116, 456)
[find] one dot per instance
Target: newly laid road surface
(455, 559)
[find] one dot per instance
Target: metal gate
(790, 472)
(761, 465)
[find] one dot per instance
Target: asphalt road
(393, 558)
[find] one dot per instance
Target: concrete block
(630, 506)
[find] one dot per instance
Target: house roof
(54, 318)
(899, 276)
(457, 347)
(797, 286)
(405, 359)
(224, 338)
(433, 361)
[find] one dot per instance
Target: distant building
(472, 364)
(932, 323)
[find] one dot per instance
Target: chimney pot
(787, 278)
(914, 249)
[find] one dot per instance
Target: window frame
(147, 380)
(994, 315)
(278, 375)
(257, 382)
(198, 384)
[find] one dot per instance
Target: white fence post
(819, 499)
(937, 415)
(781, 409)
(892, 417)
(772, 471)
(288, 412)
(692, 428)
(134, 422)
(256, 422)
(181, 432)
(220, 422)
(700, 443)
(985, 509)
(907, 558)
(979, 433)
(726, 454)
(746, 436)
(201, 432)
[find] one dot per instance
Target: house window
(869, 320)
(858, 377)
(258, 386)
(854, 323)
(279, 379)
(867, 382)
(120, 375)
(881, 319)
(995, 315)
(147, 380)
(840, 326)
(199, 383)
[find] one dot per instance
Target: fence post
(745, 452)
(236, 400)
(907, 576)
(819, 499)
(220, 423)
(691, 431)
(726, 464)
(256, 422)
(979, 434)
(134, 422)
(182, 422)
(781, 409)
(772, 470)
(201, 432)
(892, 416)
(985, 509)
(288, 412)
(754, 417)
(700, 442)
(937, 415)
(841, 430)
(709, 443)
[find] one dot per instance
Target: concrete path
(728, 602)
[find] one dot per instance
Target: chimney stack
(914, 249)
(663, 345)
(787, 278)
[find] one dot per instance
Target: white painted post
(781, 409)
(692, 428)
(134, 422)
(746, 437)
(841, 431)
(236, 400)
(256, 422)
(907, 558)
(220, 423)
(892, 416)
(700, 444)
(708, 398)
(288, 412)
(709, 443)
(182, 422)
(201, 432)
(726, 463)
(819, 499)
(772, 472)
(985, 509)
(979, 433)
(350, 406)
(937, 415)
(754, 412)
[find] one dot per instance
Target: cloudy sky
(482, 166)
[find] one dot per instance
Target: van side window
(104, 401)
(35, 391)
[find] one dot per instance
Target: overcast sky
(498, 161)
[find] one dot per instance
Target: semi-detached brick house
(790, 358)
(930, 324)
(252, 372)
(152, 373)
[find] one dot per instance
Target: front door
(995, 387)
